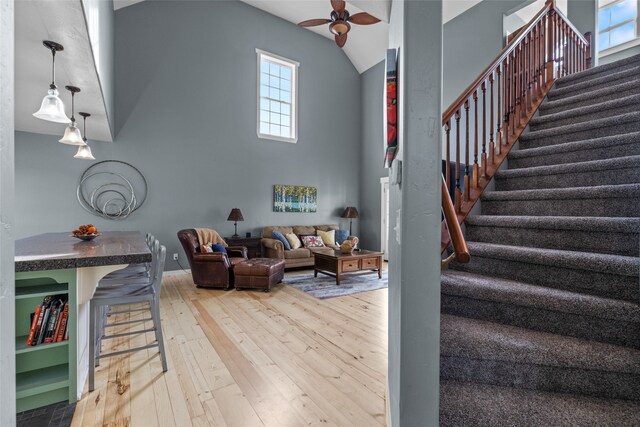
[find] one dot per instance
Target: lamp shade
(235, 215)
(350, 212)
(84, 152)
(52, 108)
(72, 135)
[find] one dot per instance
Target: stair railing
(491, 114)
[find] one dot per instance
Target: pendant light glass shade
(72, 135)
(84, 152)
(52, 108)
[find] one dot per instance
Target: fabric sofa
(301, 257)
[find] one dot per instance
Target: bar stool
(132, 272)
(127, 294)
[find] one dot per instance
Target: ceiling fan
(340, 19)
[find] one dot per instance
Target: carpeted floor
(324, 287)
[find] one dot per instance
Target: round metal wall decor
(112, 189)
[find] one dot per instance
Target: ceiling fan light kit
(52, 107)
(339, 22)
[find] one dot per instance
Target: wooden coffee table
(341, 265)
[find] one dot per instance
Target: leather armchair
(210, 270)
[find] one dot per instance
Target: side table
(253, 245)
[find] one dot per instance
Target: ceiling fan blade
(314, 22)
(338, 5)
(363, 18)
(341, 39)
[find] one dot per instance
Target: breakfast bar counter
(58, 265)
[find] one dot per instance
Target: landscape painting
(294, 198)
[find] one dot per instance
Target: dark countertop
(54, 251)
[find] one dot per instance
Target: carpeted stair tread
(464, 404)
(595, 128)
(596, 82)
(595, 192)
(600, 70)
(560, 151)
(574, 260)
(506, 291)
(607, 235)
(586, 223)
(567, 168)
(478, 339)
(618, 90)
(593, 111)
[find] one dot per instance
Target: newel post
(588, 57)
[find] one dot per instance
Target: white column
(7, 284)
(414, 235)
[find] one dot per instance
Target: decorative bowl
(86, 237)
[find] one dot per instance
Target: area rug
(323, 287)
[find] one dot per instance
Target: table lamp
(350, 212)
(235, 216)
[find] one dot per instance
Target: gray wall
(583, 14)
(186, 108)
(372, 109)
(100, 24)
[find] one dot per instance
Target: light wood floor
(248, 359)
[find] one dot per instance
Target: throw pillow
(206, 249)
(312, 242)
(328, 237)
(341, 236)
(279, 236)
(293, 240)
(218, 248)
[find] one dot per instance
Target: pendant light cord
(73, 103)
(53, 70)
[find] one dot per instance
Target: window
(617, 22)
(277, 97)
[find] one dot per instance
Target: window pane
(264, 127)
(623, 11)
(285, 132)
(264, 116)
(275, 106)
(264, 90)
(603, 41)
(604, 18)
(622, 34)
(274, 130)
(274, 93)
(264, 104)
(264, 66)
(286, 85)
(274, 82)
(264, 78)
(274, 69)
(285, 73)
(285, 121)
(285, 96)
(274, 118)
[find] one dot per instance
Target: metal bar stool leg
(155, 313)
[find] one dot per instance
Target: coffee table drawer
(369, 263)
(350, 265)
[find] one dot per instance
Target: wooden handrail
(449, 112)
(513, 85)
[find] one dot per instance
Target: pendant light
(84, 151)
(52, 108)
(72, 135)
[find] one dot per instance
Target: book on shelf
(49, 322)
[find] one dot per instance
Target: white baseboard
(176, 272)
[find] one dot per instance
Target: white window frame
(602, 4)
(294, 65)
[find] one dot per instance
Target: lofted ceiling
(366, 45)
(64, 23)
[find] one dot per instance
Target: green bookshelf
(45, 373)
